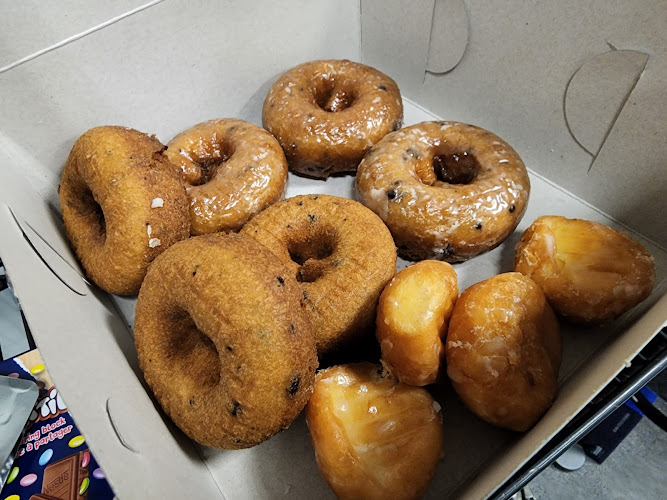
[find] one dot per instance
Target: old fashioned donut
(590, 273)
(504, 350)
(340, 252)
(446, 190)
(123, 203)
(327, 114)
(232, 169)
(374, 437)
(223, 342)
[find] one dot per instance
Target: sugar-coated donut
(446, 190)
(232, 169)
(412, 318)
(590, 273)
(504, 351)
(223, 342)
(123, 203)
(374, 437)
(340, 252)
(327, 114)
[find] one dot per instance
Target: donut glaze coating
(504, 351)
(123, 203)
(374, 437)
(327, 114)
(446, 190)
(590, 273)
(232, 170)
(412, 318)
(223, 342)
(342, 255)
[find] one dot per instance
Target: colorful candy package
(53, 460)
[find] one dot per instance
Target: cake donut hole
(191, 351)
(313, 253)
(94, 214)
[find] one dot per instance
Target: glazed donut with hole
(232, 169)
(327, 114)
(123, 204)
(342, 255)
(446, 190)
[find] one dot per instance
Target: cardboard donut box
(577, 88)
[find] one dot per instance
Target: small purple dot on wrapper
(28, 479)
(13, 375)
(98, 473)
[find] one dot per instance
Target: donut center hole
(460, 167)
(191, 351)
(210, 166)
(95, 215)
(332, 98)
(312, 256)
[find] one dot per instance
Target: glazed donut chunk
(504, 351)
(327, 114)
(232, 169)
(590, 273)
(446, 190)
(412, 318)
(341, 254)
(374, 437)
(222, 341)
(123, 203)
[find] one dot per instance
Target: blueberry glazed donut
(446, 190)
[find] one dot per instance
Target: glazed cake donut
(504, 351)
(327, 114)
(342, 255)
(232, 169)
(123, 203)
(222, 341)
(446, 190)
(590, 273)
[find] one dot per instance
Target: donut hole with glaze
(447, 165)
(333, 96)
(204, 169)
(313, 254)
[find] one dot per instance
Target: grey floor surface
(637, 469)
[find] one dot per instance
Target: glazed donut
(222, 341)
(374, 437)
(327, 114)
(412, 318)
(504, 350)
(232, 170)
(590, 273)
(123, 204)
(341, 254)
(446, 190)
